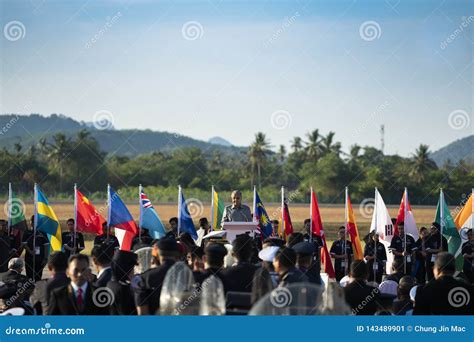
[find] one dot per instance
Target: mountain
(29, 129)
(455, 151)
(219, 141)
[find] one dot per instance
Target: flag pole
(35, 226)
(311, 217)
(346, 209)
(75, 219)
(254, 204)
(441, 216)
(179, 208)
(9, 208)
(405, 210)
(140, 215)
(109, 212)
(375, 232)
(283, 228)
(212, 208)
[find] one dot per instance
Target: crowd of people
(421, 279)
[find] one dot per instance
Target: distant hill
(28, 129)
(219, 141)
(457, 150)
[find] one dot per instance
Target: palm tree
(258, 155)
(58, 153)
(354, 152)
(281, 153)
(327, 145)
(313, 145)
(296, 144)
(421, 163)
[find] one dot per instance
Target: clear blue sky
(250, 59)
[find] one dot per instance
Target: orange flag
(88, 219)
(317, 229)
(352, 230)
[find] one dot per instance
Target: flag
(121, 219)
(449, 230)
(382, 225)
(185, 220)
(260, 215)
(351, 227)
(465, 217)
(317, 229)
(46, 220)
(285, 226)
(88, 219)
(16, 217)
(149, 218)
(217, 210)
(405, 215)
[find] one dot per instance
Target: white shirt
(76, 288)
(102, 271)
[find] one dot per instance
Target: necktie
(80, 299)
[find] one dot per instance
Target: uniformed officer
(304, 252)
(240, 275)
(403, 247)
(468, 254)
(420, 268)
(73, 243)
(376, 257)
(109, 238)
(123, 264)
(317, 241)
(237, 212)
(214, 254)
(142, 240)
(285, 265)
(341, 251)
(435, 243)
(148, 289)
(7, 246)
(174, 225)
(36, 247)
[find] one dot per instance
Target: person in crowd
(361, 297)
(285, 265)
(7, 246)
(16, 288)
(341, 251)
(444, 295)
(468, 255)
(73, 242)
(107, 237)
(403, 247)
(102, 257)
(36, 245)
(122, 266)
(305, 261)
(376, 258)
(240, 275)
(420, 263)
(214, 254)
(174, 225)
(403, 304)
(142, 240)
(76, 298)
(202, 231)
(236, 212)
(435, 243)
(195, 259)
(275, 226)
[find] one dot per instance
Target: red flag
(317, 229)
(352, 230)
(88, 218)
(288, 226)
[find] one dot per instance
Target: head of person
(242, 248)
(102, 255)
(470, 236)
(375, 236)
(195, 258)
(273, 242)
(304, 253)
(57, 262)
(445, 265)
(70, 225)
(166, 249)
(424, 232)
(401, 228)
(173, 223)
(294, 238)
(359, 270)
(236, 197)
(123, 264)
(3, 226)
(434, 230)
(285, 259)
(404, 287)
(78, 269)
(397, 265)
(275, 224)
(307, 225)
(204, 223)
(144, 232)
(106, 227)
(341, 233)
(16, 264)
(187, 240)
(214, 254)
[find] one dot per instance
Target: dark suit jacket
(104, 278)
(436, 298)
(43, 288)
(63, 302)
(359, 292)
(239, 277)
(12, 276)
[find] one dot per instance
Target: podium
(236, 228)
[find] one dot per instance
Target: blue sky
(309, 61)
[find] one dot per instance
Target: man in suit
(361, 297)
(444, 295)
(57, 265)
(76, 298)
(237, 212)
(15, 267)
(16, 288)
(240, 276)
(7, 246)
(102, 257)
(73, 242)
(123, 264)
(148, 288)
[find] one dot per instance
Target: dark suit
(358, 293)
(199, 277)
(13, 282)
(240, 277)
(7, 243)
(63, 302)
(104, 278)
(43, 288)
(124, 301)
(12, 276)
(293, 276)
(77, 243)
(443, 296)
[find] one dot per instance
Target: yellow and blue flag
(46, 220)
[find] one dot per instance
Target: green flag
(449, 230)
(16, 212)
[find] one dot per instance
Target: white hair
(16, 264)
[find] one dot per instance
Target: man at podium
(237, 212)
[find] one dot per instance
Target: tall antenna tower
(382, 138)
